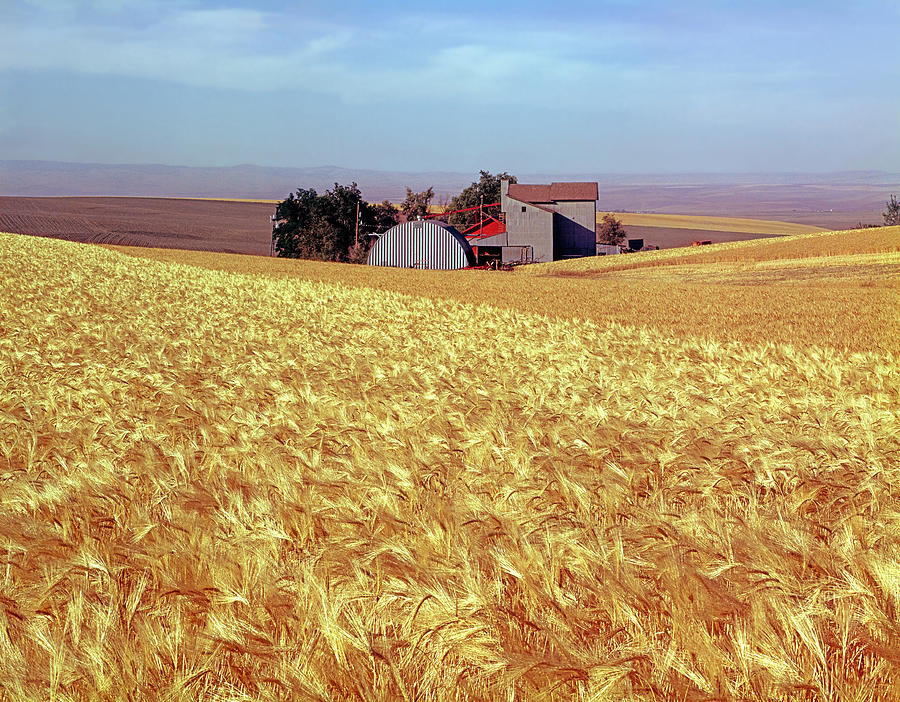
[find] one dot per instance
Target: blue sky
(570, 86)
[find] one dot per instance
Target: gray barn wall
(554, 230)
(575, 232)
(495, 240)
(581, 211)
(533, 227)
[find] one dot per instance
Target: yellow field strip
(713, 224)
(226, 199)
(164, 197)
(826, 243)
(878, 270)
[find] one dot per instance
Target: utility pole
(272, 242)
(481, 216)
(357, 222)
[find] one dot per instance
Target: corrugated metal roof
(422, 244)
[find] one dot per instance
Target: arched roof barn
(422, 244)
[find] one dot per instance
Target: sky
(611, 86)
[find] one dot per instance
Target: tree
(485, 191)
(381, 217)
(892, 213)
(322, 227)
(610, 230)
(373, 219)
(416, 204)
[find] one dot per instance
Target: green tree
(610, 230)
(416, 204)
(321, 227)
(373, 219)
(381, 217)
(892, 213)
(486, 187)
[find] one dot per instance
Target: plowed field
(244, 226)
(201, 225)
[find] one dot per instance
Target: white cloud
(213, 48)
(221, 26)
(247, 49)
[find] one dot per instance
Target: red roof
(555, 192)
(491, 227)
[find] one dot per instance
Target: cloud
(250, 50)
(227, 25)
(66, 6)
(206, 48)
(619, 55)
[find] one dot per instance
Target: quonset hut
(422, 244)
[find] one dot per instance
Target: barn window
(524, 209)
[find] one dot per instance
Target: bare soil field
(674, 230)
(837, 220)
(673, 237)
(827, 206)
(243, 226)
(201, 225)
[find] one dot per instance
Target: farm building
(422, 244)
(535, 223)
(543, 222)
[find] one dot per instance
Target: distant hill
(832, 200)
(51, 178)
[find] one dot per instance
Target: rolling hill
(667, 475)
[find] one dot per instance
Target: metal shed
(422, 244)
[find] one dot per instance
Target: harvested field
(251, 486)
(203, 225)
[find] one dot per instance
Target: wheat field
(818, 245)
(711, 224)
(840, 290)
(246, 479)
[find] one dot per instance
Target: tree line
(333, 226)
(337, 225)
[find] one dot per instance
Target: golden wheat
(796, 246)
(753, 291)
(223, 486)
